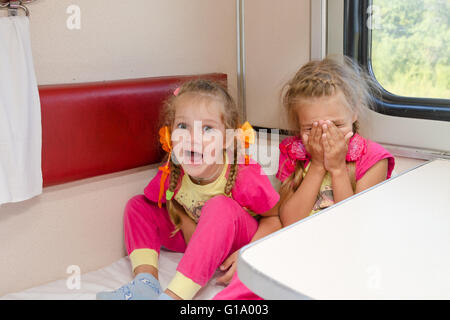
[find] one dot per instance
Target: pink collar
(295, 150)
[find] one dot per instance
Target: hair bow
(247, 138)
(165, 140)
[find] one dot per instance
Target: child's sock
(143, 287)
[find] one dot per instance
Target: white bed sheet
(110, 278)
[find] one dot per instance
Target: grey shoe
(143, 287)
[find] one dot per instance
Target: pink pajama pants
(236, 290)
(224, 227)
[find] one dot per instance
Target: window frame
(357, 45)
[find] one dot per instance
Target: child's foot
(143, 287)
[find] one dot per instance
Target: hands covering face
(327, 145)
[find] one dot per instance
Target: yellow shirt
(325, 196)
(193, 196)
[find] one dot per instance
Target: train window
(403, 45)
(410, 56)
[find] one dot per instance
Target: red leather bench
(91, 129)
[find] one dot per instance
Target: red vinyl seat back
(90, 129)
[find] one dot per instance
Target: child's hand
(187, 224)
(231, 264)
(313, 144)
(335, 146)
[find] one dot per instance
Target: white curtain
(20, 114)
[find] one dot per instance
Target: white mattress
(110, 278)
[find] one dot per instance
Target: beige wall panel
(133, 39)
(277, 41)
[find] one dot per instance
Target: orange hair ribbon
(247, 137)
(165, 140)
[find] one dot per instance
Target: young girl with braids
(204, 208)
(326, 161)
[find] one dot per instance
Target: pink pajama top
(365, 153)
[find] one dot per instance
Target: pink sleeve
(285, 165)
(374, 153)
(253, 190)
(283, 168)
(152, 189)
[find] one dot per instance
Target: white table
(389, 242)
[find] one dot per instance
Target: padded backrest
(91, 129)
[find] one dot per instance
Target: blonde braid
(327, 77)
(233, 173)
(174, 210)
(326, 85)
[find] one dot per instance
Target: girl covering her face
(327, 158)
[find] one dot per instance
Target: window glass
(410, 52)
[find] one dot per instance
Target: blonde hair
(230, 118)
(325, 78)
